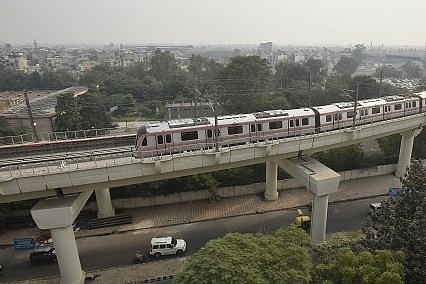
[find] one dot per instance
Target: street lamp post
(345, 93)
(30, 114)
(216, 130)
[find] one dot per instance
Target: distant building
(265, 46)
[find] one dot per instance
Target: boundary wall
(234, 191)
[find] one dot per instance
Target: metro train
(174, 136)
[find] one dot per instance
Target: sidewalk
(166, 215)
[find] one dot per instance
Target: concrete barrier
(233, 191)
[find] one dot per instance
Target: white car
(375, 206)
(166, 246)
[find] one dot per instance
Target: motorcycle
(139, 257)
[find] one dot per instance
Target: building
(42, 105)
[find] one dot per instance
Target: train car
(422, 98)
(198, 133)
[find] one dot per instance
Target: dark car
(45, 254)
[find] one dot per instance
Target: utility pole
(380, 84)
(309, 92)
(356, 102)
(30, 114)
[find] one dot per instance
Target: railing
(64, 136)
(104, 159)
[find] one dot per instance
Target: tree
(345, 266)
(163, 65)
(289, 72)
(245, 84)
(411, 70)
(400, 224)
(67, 113)
(5, 128)
(346, 66)
(315, 66)
(358, 53)
(124, 103)
(388, 71)
(251, 258)
(93, 112)
(355, 158)
(368, 87)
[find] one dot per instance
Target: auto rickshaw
(303, 221)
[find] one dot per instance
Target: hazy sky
(214, 21)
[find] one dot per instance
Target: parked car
(167, 245)
(42, 255)
(375, 206)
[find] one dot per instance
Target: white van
(166, 246)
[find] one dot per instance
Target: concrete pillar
(319, 218)
(67, 253)
(405, 150)
(319, 180)
(58, 215)
(103, 200)
(271, 192)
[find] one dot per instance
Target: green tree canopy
(315, 66)
(345, 266)
(389, 72)
(289, 72)
(67, 113)
(400, 224)
(93, 111)
(346, 66)
(346, 158)
(163, 65)
(251, 258)
(411, 70)
(245, 84)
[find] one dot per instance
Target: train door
(160, 144)
(337, 120)
(294, 127)
(168, 139)
(209, 138)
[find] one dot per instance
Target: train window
(375, 110)
(237, 129)
(397, 107)
(209, 133)
(305, 121)
(160, 139)
(366, 112)
(144, 143)
(413, 104)
(291, 123)
(275, 124)
(253, 127)
(168, 138)
(259, 127)
(328, 118)
(337, 116)
(350, 114)
(297, 122)
(192, 135)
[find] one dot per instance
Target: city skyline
(208, 22)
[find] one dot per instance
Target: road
(118, 249)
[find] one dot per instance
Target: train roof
(421, 94)
(283, 113)
(372, 102)
(326, 109)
